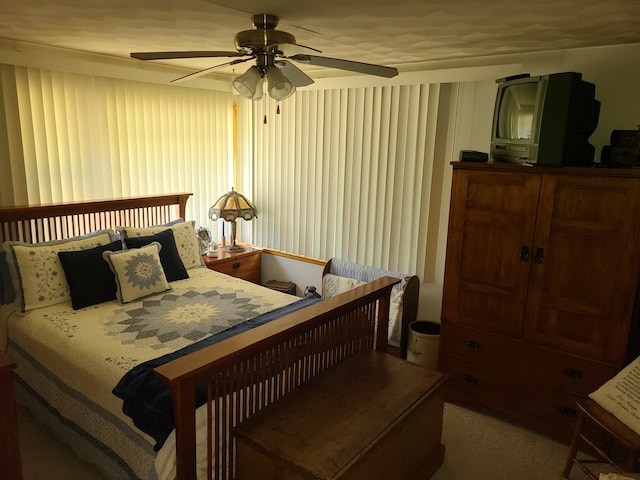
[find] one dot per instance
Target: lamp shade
(232, 205)
(249, 84)
(279, 86)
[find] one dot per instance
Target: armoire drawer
(544, 409)
(525, 361)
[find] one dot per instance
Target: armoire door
(491, 227)
(586, 266)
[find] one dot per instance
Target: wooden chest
(372, 417)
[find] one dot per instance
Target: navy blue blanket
(147, 399)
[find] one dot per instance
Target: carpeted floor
(478, 447)
(482, 447)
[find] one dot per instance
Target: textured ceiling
(398, 33)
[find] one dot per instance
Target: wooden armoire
(540, 288)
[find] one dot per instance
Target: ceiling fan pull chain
(278, 110)
(264, 110)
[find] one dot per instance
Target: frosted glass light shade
(279, 86)
(249, 84)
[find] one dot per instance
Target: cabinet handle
(472, 345)
(236, 265)
(524, 253)
(470, 379)
(539, 256)
(572, 373)
(567, 411)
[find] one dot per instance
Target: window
(79, 137)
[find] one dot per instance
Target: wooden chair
(594, 421)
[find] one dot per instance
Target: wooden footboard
(251, 370)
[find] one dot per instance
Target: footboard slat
(247, 372)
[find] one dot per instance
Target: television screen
(544, 120)
(515, 119)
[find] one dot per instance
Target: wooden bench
(372, 417)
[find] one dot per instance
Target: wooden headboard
(54, 221)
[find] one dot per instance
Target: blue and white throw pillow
(138, 272)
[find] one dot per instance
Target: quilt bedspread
(89, 350)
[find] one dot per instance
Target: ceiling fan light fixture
(249, 84)
(279, 86)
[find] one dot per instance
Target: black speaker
(473, 156)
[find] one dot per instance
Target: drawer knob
(236, 265)
(567, 411)
(470, 379)
(572, 373)
(475, 346)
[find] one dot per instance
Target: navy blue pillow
(90, 279)
(7, 294)
(169, 257)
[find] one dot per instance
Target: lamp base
(234, 248)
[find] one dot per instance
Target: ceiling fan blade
(194, 54)
(305, 46)
(204, 71)
(368, 68)
(293, 73)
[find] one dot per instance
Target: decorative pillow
(138, 272)
(7, 294)
(619, 396)
(169, 256)
(36, 272)
(185, 238)
(333, 285)
(90, 279)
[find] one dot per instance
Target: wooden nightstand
(246, 265)
(10, 466)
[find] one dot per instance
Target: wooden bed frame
(242, 374)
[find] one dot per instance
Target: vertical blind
(78, 137)
(348, 173)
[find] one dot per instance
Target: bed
(213, 374)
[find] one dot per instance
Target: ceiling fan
(264, 45)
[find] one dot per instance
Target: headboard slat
(55, 221)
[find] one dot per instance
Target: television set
(545, 120)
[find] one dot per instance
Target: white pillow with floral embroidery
(36, 272)
(184, 234)
(333, 285)
(138, 272)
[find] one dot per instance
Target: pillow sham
(138, 273)
(90, 279)
(169, 256)
(37, 275)
(185, 237)
(333, 285)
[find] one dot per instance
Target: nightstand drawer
(246, 265)
(247, 268)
